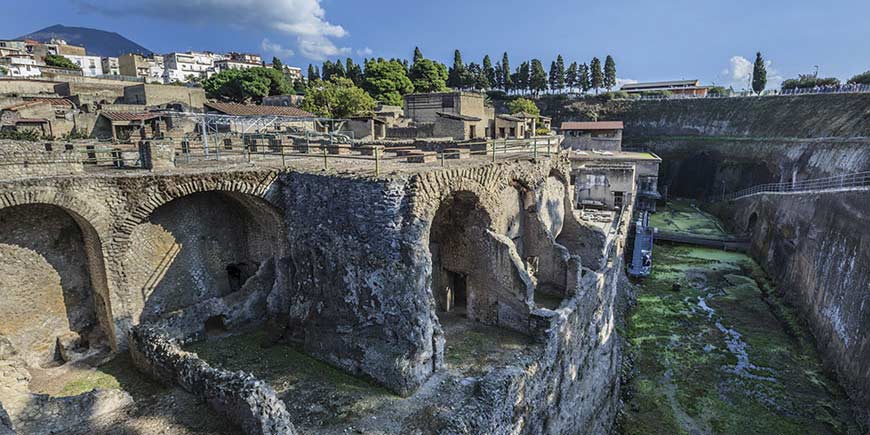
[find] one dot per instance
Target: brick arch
(259, 189)
(83, 213)
(94, 228)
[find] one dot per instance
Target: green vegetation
(759, 74)
(28, 135)
(387, 81)
(117, 374)
(242, 86)
(685, 217)
(337, 98)
(808, 81)
(609, 73)
(59, 61)
(428, 76)
(860, 79)
(481, 346)
(523, 105)
(597, 76)
(724, 354)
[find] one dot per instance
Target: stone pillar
(156, 156)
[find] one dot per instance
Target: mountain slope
(96, 42)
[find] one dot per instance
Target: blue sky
(650, 40)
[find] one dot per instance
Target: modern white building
(182, 67)
(111, 66)
(91, 66)
(227, 64)
(20, 66)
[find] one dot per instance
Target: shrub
(861, 79)
(805, 81)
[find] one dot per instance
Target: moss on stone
(688, 379)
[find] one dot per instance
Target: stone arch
(476, 271)
(54, 255)
(198, 246)
(752, 223)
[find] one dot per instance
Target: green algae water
(723, 354)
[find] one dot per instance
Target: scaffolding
(214, 127)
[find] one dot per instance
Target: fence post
(493, 150)
(283, 160)
(548, 147)
(535, 149)
(377, 161)
(442, 158)
(325, 162)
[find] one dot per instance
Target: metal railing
(847, 181)
(326, 153)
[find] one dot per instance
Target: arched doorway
(55, 303)
(200, 246)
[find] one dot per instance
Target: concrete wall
(157, 95)
(18, 87)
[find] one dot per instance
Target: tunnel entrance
(455, 295)
(53, 296)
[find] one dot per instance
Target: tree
(354, 72)
(299, 87)
(583, 79)
(277, 64)
(597, 77)
(387, 82)
(59, 61)
(312, 73)
(524, 105)
(537, 77)
(473, 77)
(508, 82)
(609, 73)
(759, 74)
(456, 75)
(337, 98)
(338, 69)
(860, 79)
(558, 78)
(521, 77)
(428, 76)
(327, 70)
(571, 77)
(809, 81)
(246, 85)
(488, 72)
(499, 76)
(418, 55)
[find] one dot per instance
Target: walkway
(838, 183)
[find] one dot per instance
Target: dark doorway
(457, 291)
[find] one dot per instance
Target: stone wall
(243, 399)
(19, 160)
(816, 248)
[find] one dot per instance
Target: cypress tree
(537, 77)
(488, 72)
(553, 75)
(456, 75)
(277, 64)
(571, 77)
(583, 80)
(312, 73)
(596, 74)
(759, 74)
(418, 55)
(609, 73)
(560, 73)
(508, 82)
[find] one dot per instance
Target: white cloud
(275, 48)
(365, 52)
(304, 19)
(740, 70)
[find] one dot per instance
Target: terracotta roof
(129, 116)
(54, 101)
(457, 117)
(511, 118)
(600, 125)
(252, 110)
